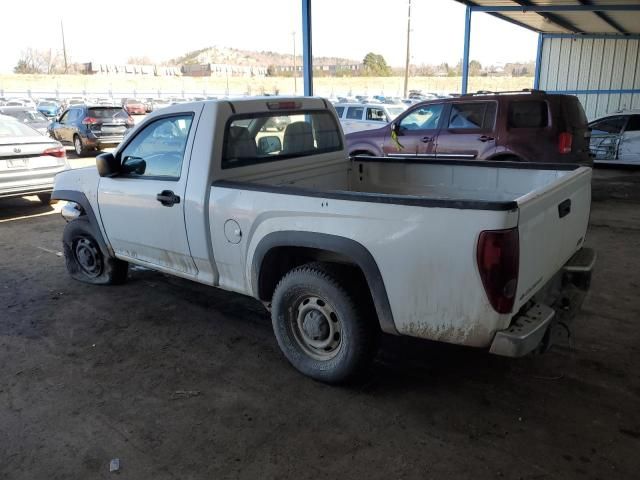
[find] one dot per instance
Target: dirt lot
(180, 381)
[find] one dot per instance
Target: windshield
(107, 113)
(394, 112)
(11, 128)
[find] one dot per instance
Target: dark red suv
(530, 126)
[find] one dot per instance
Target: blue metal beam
(465, 54)
(307, 56)
(536, 75)
(555, 8)
(598, 92)
(592, 36)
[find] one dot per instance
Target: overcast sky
(113, 31)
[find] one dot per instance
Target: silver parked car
(615, 138)
(28, 116)
(29, 161)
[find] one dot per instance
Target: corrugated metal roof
(581, 21)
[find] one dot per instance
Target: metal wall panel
(601, 65)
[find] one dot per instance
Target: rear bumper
(532, 327)
(101, 142)
(27, 183)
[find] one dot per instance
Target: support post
(465, 54)
(307, 57)
(536, 75)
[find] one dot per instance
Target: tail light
(565, 140)
(90, 121)
(58, 152)
(498, 262)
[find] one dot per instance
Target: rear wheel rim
(78, 145)
(316, 328)
(88, 257)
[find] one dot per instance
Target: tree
(375, 65)
(39, 61)
(475, 67)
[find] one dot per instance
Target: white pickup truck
(484, 254)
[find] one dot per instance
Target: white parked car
(355, 117)
(28, 160)
(483, 254)
(615, 138)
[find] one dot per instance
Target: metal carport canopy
(611, 19)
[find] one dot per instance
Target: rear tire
(319, 327)
(78, 146)
(86, 261)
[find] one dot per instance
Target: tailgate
(552, 225)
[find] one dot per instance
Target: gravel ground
(181, 381)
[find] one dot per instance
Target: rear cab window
(249, 139)
(472, 116)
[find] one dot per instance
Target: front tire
(45, 198)
(86, 261)
(319, 327)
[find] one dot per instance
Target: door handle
(427, 139)
(564, 208)
(485, 138)
(168, 198)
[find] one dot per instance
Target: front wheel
(319, 327)
(85, 260)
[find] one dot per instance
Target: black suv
(87, 128)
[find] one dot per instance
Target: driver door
(143, 210)
(417, 131)
(59, 126)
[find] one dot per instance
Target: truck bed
(434, 211)
(462, 184)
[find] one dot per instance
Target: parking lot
(178, 380)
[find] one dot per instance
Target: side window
(355, 113)
(472, 115)
(161, 146)
(634, 124)
(528, 114)
(339, 111)
(376, 115)
(608, 126)
(426, 117)
(65, 117)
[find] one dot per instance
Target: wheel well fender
(279, 252)
(87, 215)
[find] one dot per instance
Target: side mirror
(395, 128)
(135, 165)
(269, 144)
(108, 165)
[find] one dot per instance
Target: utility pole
(295, 80)
(406, 65)
(64, 47)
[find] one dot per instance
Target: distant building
(330, 69)
(222, 70)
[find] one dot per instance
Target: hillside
(235, 56)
